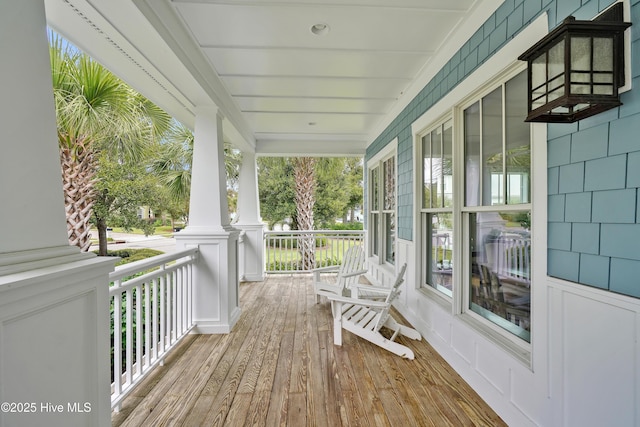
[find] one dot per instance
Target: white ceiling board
(316, 62)
(353, 27)
(299, 122)
(322, 88)
(311, 105)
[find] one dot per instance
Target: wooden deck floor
(279, 367)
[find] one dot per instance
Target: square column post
(216, 285)
(249, 221)
(54, 300)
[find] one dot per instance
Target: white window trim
(443, 299)
(389, 151)
(499, 65)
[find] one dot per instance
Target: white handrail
(153, 310)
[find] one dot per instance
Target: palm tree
(96, 112)
(304, 172)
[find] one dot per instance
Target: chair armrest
(317, 271)
(355, 301)
(355, 273)
(371, 288)
(329, 268)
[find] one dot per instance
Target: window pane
(390, 237)
(447, 163)
(472, 154)
(374, 233)
(426, 171)
(375, 190)
(389, 184)
(518, 141)
(492, 176)
(500, 265)
(438, 251)
(436, 168)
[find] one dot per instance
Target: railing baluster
(117, 339)
(179, 302)
(163, 313)
(174, 312)
(129, 337)
(147, 322)
(139, 330)
(156, 320)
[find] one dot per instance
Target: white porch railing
(283, 254)
(151, 311)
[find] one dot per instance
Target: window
(437, 207)
(382, 207)
(497, 211)
(375, 210)
(389, 212)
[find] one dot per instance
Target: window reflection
(439, 251)
(500, 258)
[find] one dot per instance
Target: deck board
(279, 367)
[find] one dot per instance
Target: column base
(54, 342)
(218, 327)
(216, 305)
(251, 252)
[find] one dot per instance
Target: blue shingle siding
(594, 270)
(593, 165)
(577, 207)
(563, 264)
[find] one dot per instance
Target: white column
(32, 204)
(249, 221)
(216, 300)
(54, 307)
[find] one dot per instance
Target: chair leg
(406, 331)
(336, 307)
(377, 339)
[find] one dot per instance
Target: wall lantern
(575, 71)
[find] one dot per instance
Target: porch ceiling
(282, 89)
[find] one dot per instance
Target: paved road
(137, 241)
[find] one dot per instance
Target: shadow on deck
(279, 367)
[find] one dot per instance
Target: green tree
(353, 185)
(96, 112)
(332, 195)
(338, 189)
(120, 190)
(276, 189)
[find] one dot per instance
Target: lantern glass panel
(602, 54)
(556, 60)
(581, 54)
(539, 81)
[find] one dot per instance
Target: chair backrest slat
(393, 294)
(353, 260)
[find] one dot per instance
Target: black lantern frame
(576, 70)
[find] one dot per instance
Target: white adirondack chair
(365, 318)
(348, 272)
